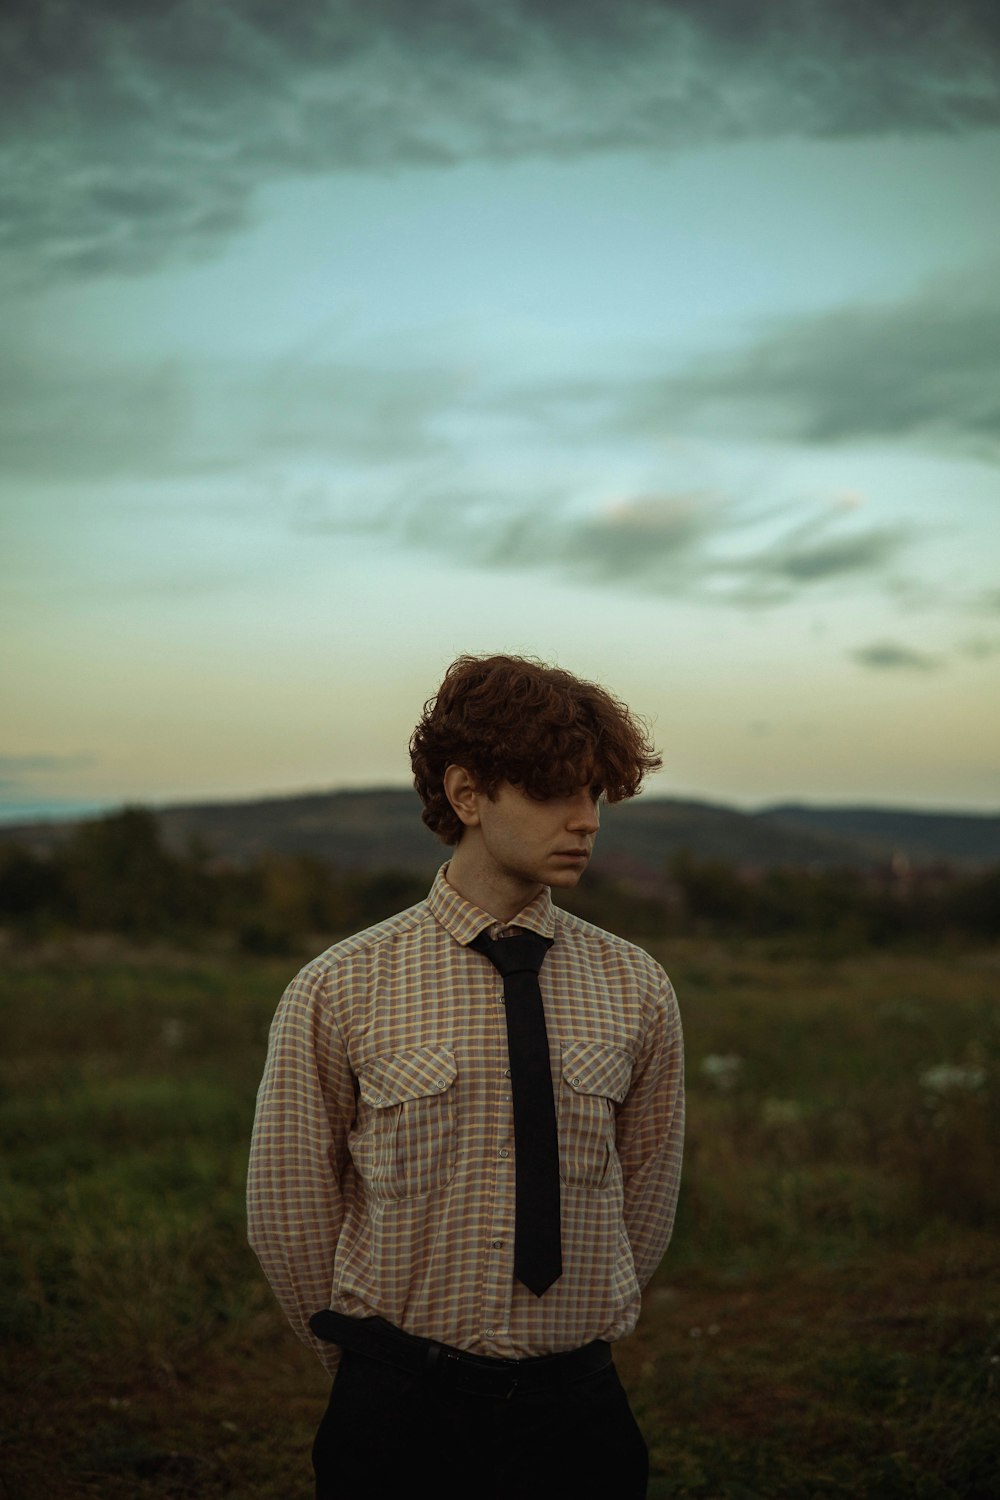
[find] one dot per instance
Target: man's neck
(502, 896)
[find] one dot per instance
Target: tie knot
(522, 954)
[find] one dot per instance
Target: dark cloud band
(137, 134)
(925, 369)
(888, 656)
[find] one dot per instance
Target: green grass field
(824, 1324)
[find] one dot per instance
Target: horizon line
(66, 810)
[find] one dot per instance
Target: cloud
(66, 423)
(980, 648)
(925, 369)
(651, 538)
(20, 773)
(20, 765)
(889, 656)
(806, 557)
(649, 541)
(701, 547)
(171, 418)
(699, 543)
(138, 134)
(806, 562)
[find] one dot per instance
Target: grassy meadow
(826, 1322)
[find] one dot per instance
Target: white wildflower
(723, 1069)
(950, 1078)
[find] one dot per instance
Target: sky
(657, 341)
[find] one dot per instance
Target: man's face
(539, 842)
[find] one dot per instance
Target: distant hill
(381, 829)
(923, 837)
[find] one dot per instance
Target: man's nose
(585, 814)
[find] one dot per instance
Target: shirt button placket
(498, 1267)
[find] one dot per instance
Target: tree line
(116, 874)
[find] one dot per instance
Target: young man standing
(467, 1148)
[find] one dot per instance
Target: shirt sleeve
(298, 1152)
(650, 1136)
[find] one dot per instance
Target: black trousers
(387, 1432)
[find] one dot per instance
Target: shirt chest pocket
(404, 1141)
(595, 1080)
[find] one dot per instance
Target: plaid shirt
(382, 1163)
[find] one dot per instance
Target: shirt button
(506, 1072)
(378, 1098)
(503, 1151)
(489, 1333)
(575, 1082)
(497, 1244)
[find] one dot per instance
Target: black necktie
(537, 1250)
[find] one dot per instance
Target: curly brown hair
(514, 719)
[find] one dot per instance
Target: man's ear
(463, 794)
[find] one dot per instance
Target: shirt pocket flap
(415, 1074)
(596, 1068)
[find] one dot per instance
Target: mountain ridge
(380, 828)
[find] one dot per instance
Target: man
(467, 1148)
